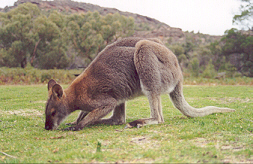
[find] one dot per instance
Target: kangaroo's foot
(71, 123)
(141, 122)
(73, 128)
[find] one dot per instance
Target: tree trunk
(23, 63)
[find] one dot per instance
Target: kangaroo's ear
(50, 84)
(57, 91)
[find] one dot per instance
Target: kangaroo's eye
(53, 113)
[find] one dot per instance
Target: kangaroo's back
(113, 71)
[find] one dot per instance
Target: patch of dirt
(200, 142)
(23, 112)
(140, 140)
(145, 142)
(225, 100)
(229, 100)
(233, 148)
(241, 159)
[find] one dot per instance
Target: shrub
(45, 77)
(31, 75)
(195, 67)
(209, 72)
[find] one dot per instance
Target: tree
(16, 40)
(240, 45)
(51, 47)
(205, 55)
(216, 52)
(26, 35)
(89, 33)
(245, 18)
(179, 51)
(57, 18)
(83, 36)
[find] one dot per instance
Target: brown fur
(122, 71)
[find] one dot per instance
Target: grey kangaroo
(123, 70)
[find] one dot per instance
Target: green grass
(215, 138)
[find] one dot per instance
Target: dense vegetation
(49, 40)
(53, 40)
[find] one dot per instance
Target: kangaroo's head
(56, 106)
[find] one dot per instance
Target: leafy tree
(205, 55)
(216, 52)
(51, 48)
(240, 45)
(245, 18)
(82, 36)
(177, 49)
(182, 61)
(127, 26)
(189, 46)
(111, 27)
(89, 33)
(16, 41)
(226, 66)
(27, 35)
(57, 18)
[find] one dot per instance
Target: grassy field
(215, 138)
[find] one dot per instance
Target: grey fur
(122, 71)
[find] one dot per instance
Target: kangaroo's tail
(180, 103)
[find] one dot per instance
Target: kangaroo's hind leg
(160, 110)
(156, 115)
(155, 107)
(148, 67)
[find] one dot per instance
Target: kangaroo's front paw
(73, 128)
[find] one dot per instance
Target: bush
(209, 72)
(31, 75)
(45, 77)
(195, 67)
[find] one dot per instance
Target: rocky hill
(145, 26)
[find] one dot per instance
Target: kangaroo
(124, 70)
